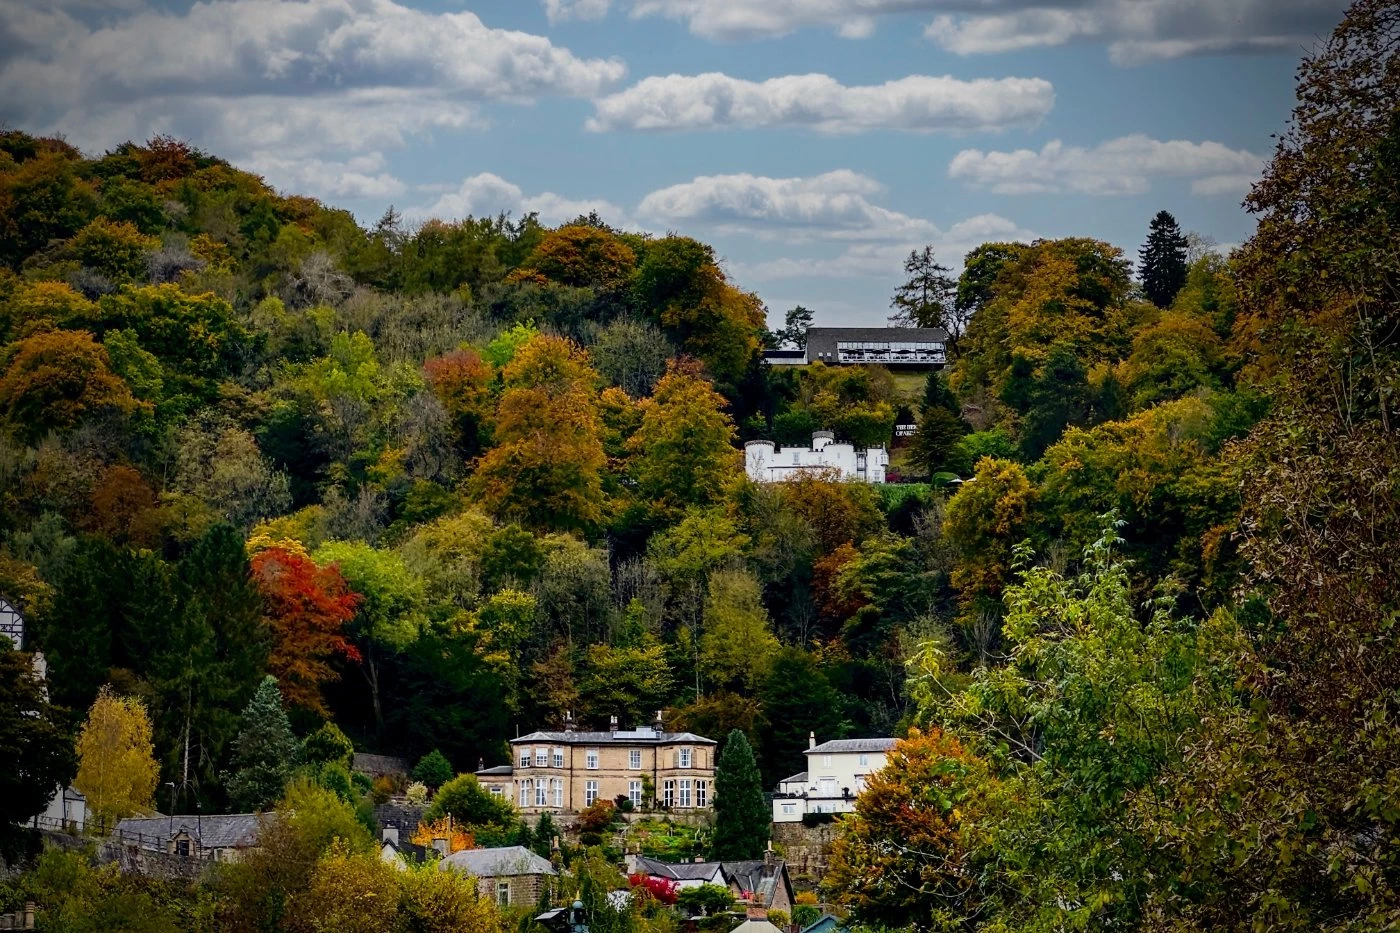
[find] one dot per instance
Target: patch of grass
(660, 839)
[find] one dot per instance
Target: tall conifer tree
(264, 753)
(741, 813)
(1163, 259)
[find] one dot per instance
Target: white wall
(830, 774)
(766, 463)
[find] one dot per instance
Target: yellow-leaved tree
(117, 768)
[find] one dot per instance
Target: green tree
(738, 641)
(1058, 398)
(742, 815)
(628, 682)
(328, 746)
(54, 380)
(796, 323)
(433, 769)
(683, 451)
(798, 700)
(32, 741)
(1163, 259)
(466, 801)
(264, 753)
(926, 298)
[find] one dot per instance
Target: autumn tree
(683, 451)
(1163, 259)
(582, 256)
(347, 892)
(115, 249)
(903, 860)
(117, 770)
(461, 381)
(742, 816)
(986, 520)
(265, 752)
(56, 379)
(546, 467)
(307, 609)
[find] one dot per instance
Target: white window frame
(668, 793)
(702, 795)
(590, 793)
(496, 790)
(558, 758)
(789, 809)
(541, 793)
(525, 757)
(863, 760)
(686, 756)
(634, 758)
(685, 793)
(541, 757)
(826, 761)
(527, 788)
(557, 784)
(503, 893)
(634, 792)
(590, 759)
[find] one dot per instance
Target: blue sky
(813, 142)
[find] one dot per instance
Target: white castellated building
(765, 463)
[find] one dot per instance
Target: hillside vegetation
(450, 480)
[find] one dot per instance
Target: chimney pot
(811, 740)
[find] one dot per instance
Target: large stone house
(564, 772)
(836, 773)
(224, 838)
(508, 875)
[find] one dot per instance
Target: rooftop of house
(679, 871)
(497, 863)
(228, 831)
(376, 765)
(755, 926)
(838, 746)
(505, 770)
(826, 923)
(620, 737)
(758, 877)
(798, 778)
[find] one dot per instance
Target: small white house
(836, 774)
(766, 463)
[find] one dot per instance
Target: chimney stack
(770, 859)
(811, 740)
(658, 724)
(612, 725)
(568, 720)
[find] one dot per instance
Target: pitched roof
(229, 831)
(629, 737)
(497, 863)
(679, 871)
(756, 876)
(755, 926)
(376, 765)
(853, 745)
(826, 923)
(798, 778)
(498, 769)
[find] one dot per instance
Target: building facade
(836, 774)
(564, 772)
(509, 875)
(895, 347)
(766, 463)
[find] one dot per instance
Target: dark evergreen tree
(935, 442)
(938, 395)
(742, 816)
(927, 296)
(433, 769)
(1163, 260)
(545, 833)
(265, 752)
(797, 700)
(76, 635)
(38, 755)
(327, 746)
(1058, 398)
(796, 323)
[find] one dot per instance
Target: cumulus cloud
(487, 194)
(835, 205)
(917, 103)
(1134, 30)
(558, 10)
(885, 260)
(1120, 166)
(304, 90)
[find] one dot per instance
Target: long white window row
(554, 757)
(677, 793)
(540, 793)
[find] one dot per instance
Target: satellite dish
(11, 624)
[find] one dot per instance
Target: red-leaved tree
(661, 889)
(306, 607)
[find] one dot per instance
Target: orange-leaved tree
(307, 608)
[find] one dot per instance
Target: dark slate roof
(757, 877)
(498, 769)
(375, 765)
(836, 746)
(402, 816)
(229, 831)
(826, 923)
(798, 778)
(639, 736)
(497, 863)
(824, 339)
(679, 871)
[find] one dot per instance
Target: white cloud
(359, 177)
(488, 194)
(918, 103)
(835, 205)
(1120, 166)
(270, 81)
(559, 10)
(885, 260)
(1134, 30)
